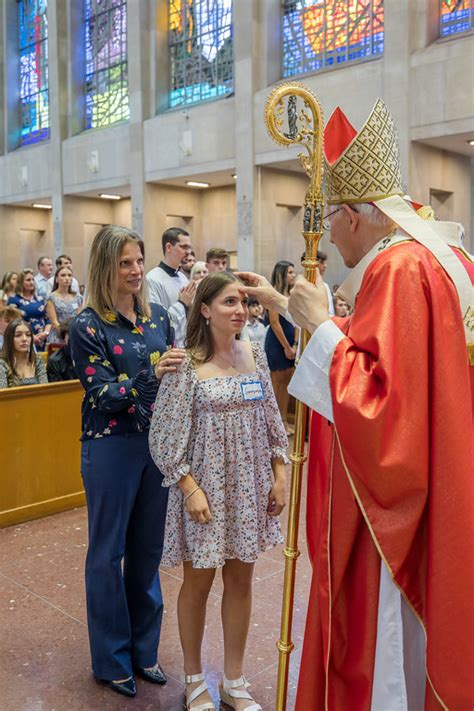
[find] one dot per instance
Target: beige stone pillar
(245, 82)
(58, 103)
(139, 32)
(396, 80)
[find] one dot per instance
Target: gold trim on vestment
(328, 656)
(379, 549)
(356, 201)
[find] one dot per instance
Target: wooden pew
(40, 426)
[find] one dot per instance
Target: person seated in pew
(60, 366)
(7, 315)
(19, 364)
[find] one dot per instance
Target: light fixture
(234, 176)
(109, 196)
(471, 141)
(42, 206)
(197, 184)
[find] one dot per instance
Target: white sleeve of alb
(310, 383)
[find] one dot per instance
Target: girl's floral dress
(209, 429)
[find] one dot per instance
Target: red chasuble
(392, 480)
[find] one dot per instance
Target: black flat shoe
(126, 688)
(155, 674)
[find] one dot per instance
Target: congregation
(36, 310)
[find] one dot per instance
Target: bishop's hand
(308, 303)
(260, 288)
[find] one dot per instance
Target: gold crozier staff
(305, 128)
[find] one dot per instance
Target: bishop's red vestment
(390, 490)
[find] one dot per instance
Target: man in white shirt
(168, 286)
(322, 259)
(64, 260)
(45, 270)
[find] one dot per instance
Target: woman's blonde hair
(198, 334)
(21, 278)
(106, 250)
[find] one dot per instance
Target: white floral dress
(207, 428)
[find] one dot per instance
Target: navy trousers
(126, 507)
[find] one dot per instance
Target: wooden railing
(40, 426)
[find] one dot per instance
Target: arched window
(455, 16)
(33, 51)
(106, 87)
(201, 50)
(325, 33)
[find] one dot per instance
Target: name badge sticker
(252, 391)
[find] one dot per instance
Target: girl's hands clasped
(169, 362)
(197, 507)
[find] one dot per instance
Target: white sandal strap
(192, 678)
(234, 683)
(230, 687)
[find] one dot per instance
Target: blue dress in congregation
(34, 313)
(276, 357)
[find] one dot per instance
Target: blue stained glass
(201, 50)
(455, 16)
(33, 51)
(325, 33)
(107, 99)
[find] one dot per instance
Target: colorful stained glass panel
(330, 32)
(107, 99)
(33, 51)
(201, 50)
(455, 16)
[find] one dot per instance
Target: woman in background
(8, 285)
(62, 303)
(117, 342)
(19, 364)
(32, 307)
(280, 340)
(199, 271)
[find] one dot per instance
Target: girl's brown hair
(8, 352)
(55, 281)
(104, 260)
(198, 334)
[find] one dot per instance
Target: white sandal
(229, 690)
(188, 700)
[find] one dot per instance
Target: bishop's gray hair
(374, 216)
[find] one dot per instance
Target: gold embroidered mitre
(363, 166)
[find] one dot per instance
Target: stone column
(139, 28)
(245, 81)
(58, 103)
(396, 80)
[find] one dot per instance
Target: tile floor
(44, 653)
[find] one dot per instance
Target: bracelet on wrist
(188, 496)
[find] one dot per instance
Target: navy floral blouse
(114, 361)
(34, 312)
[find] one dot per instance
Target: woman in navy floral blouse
(32, 307)
(117, 343)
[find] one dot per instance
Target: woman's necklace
(232, 362)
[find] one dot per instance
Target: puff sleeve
(275, 427)
(172, 423)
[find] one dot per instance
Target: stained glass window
(455, 16)
(106, 62)
(330, 32)
(201, 50)
(33, 48)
